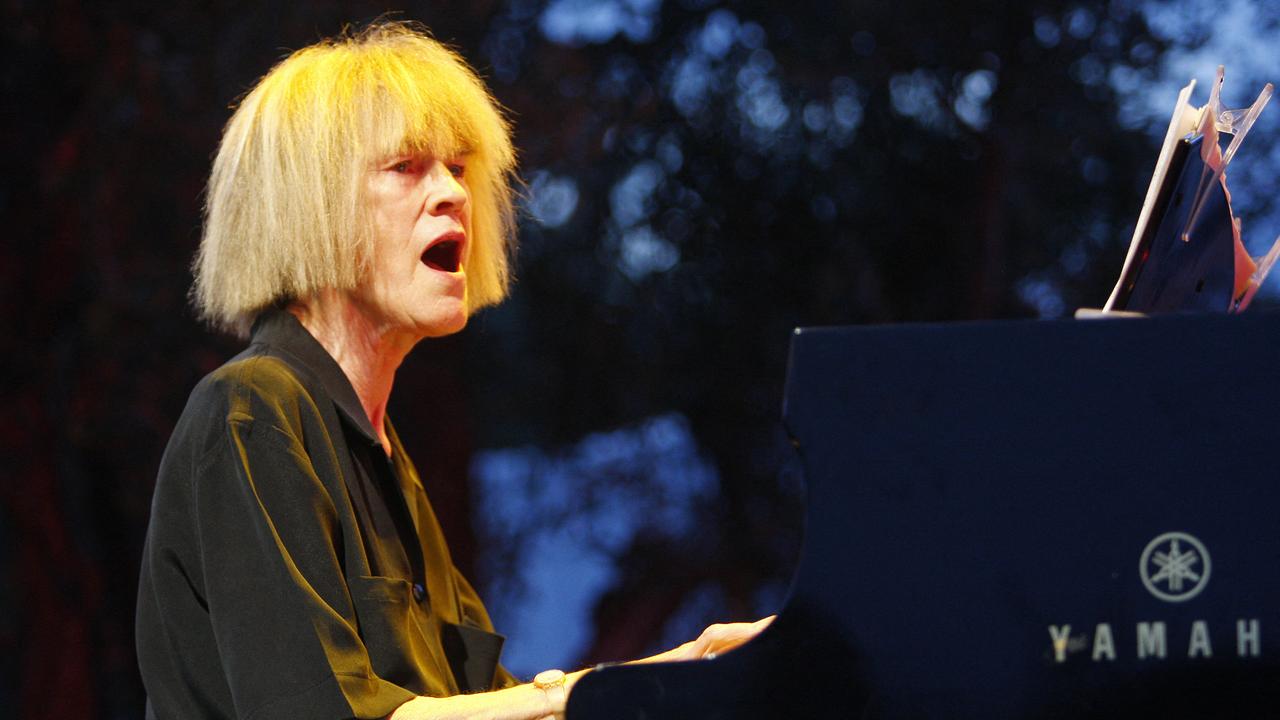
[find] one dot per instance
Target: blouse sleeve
(281, 612)
(473, 611)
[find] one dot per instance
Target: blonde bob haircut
(285, 214)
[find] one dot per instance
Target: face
(421, 215)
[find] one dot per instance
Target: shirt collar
(281, 331)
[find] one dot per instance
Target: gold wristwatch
(551, 682)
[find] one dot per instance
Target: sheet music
(1185, 120)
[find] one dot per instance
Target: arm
(527, 702)
(272, 574)
(295, 530)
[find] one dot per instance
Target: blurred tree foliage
(706, 177)
(703, 177)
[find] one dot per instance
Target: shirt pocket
(401, 636)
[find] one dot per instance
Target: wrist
(555, 691)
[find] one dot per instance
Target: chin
(443, 327)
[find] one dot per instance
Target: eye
(457, 169)
(402, 166)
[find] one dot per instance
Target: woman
(359, 202)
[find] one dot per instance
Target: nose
(448, 196)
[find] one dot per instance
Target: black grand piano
(1020, 519)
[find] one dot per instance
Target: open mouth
(445, 256)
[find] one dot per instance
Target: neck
(367, 351)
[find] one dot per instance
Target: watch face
(549, 678)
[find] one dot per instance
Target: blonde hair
(285, 215)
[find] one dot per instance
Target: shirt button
(419, 592)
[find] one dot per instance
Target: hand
(716, 640)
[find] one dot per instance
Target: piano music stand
(1020, 519)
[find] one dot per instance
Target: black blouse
(291, 568)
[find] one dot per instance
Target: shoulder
(257, 386)
(253, 388)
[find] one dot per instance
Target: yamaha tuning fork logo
(1174, 567)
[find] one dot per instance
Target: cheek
(390, 271)
(394, 239)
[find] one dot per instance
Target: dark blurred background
(604, 449)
